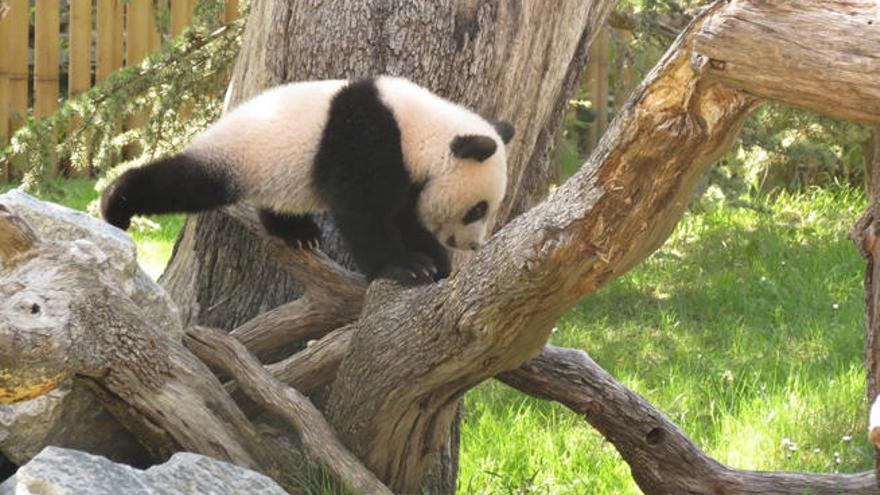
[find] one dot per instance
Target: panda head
(458, 204)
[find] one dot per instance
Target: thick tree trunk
(505, 60)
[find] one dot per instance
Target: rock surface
(70, 416)
(60, 471)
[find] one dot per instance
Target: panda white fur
(402, 172)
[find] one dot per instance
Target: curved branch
(661, 457)
(322, 276)
(271, 333)
(498, 310)
(759, 46)
(222, 351)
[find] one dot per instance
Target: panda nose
(474, 246)
(451, 241)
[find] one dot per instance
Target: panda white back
(403, 173)
(269, 142)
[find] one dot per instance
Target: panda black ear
(504, 129)
(475, 147)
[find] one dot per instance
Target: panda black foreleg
(375, 242)
(298, 231)
(417, 238)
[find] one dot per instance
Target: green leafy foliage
(178, 89)
(746, 329)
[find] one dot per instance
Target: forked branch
(320, 441)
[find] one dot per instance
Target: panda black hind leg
(298, 231)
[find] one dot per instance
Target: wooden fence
(102, 37)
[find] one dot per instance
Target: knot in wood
(718, 65)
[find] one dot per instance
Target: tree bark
(475, 53)
(414, 353)
(411, 353)
(823, 56)
(505, 60)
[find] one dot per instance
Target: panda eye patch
(476, 213)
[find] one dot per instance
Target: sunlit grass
(154, 246)
(746, 329)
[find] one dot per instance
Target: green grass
(746, 329)
(154, 245)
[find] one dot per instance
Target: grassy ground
(745, 329)
(153, 245)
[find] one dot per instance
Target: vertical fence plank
(19, 26)
(118, 34)
(5, 168)
(80, 29)
(47, 28)
(156, 11)
(181, 15)
(108, 48)
(138, 24)
(231, 13)
(4, 79)
(105, 10)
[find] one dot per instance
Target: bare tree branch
(222, 351)
(758, 46)
(661, 457)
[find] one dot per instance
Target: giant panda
(403, 173)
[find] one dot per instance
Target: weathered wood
(65, 315)
(662, 459)
(17, 238)
(224, 352)
(108, 46)
(80, 71)
(181, 15)
(415, 353)
(47, 46)
(19, 28)
(139, 27)
(4, 82)
(865, 235)
(307, 370)
(231, 13)
(820, 55)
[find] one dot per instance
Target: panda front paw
(308, 244)
(412, 269)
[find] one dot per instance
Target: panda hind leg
(298, 231)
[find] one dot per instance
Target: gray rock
(58, 223)
(71, 416)
(70, 472)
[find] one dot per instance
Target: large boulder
(70, 416)
(70, 472)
